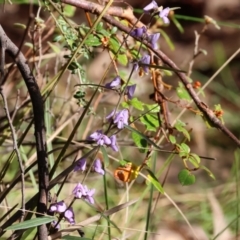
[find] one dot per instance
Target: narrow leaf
(31, 223)
(153, 179)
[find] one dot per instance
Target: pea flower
(100, 138)
(120, 118)
(144, 60)
(138, 32)
(81, 191)
(130, 91)
(164, 15)
(153, 38)
(151, 6)
(58, 207)
(113, 144)
(97, 166)
(81, 165)
(116, 82)
(69, 215)
(89, 197)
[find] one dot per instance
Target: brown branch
(128, 14)
(9, 47)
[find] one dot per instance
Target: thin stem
(16, 149)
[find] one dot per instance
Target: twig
(9, 47)
(16, 149)
(127, 14)
(196, 51)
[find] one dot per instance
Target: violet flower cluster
(102, 139)
(116, 83)
(142, 33)
(61, 208)
(119, 118)
(82, 191)
(163, 14)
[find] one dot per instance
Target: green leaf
(194, 161)
(172, 139)
(180, 126)
(99, 26)
(57, 38)
(185, 148)
(151, 122)
(114, 44)
(69, 10)
(196, 157)
(20, 25)
(137, 104)
(103, 33)
(143, 136)
(140, 142)
(153, 107)
(186, 178)
(31, 223)
(125, 105)
(114, 30)
(182, 92)
(153, 179)
(122, 58)
(93, 41)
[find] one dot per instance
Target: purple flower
(116, 82)
(120, 118)
(151, 6)
(81, 191)
(153, 38)
(97, 166)
(89, 197)
(114, 143)
(130, 91)
(69, 215)
(100, 138)
(81, 165)
(144, 60)
(58, 207)
(138, 32)
(164, 15)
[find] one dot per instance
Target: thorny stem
(9, 47)
(128, 14)
(16, 149)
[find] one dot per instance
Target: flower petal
(151, 6)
